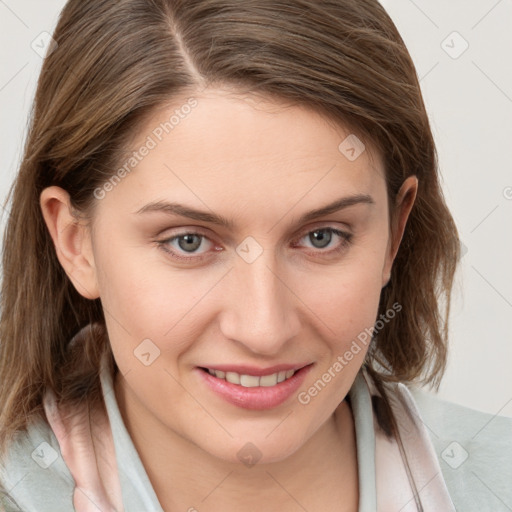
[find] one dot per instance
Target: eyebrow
(181, 210)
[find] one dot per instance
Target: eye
(178, 246)
(321, 238)
(185, 243)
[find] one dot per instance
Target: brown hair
(116, 61)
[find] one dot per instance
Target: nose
(260, 307)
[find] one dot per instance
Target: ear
(403, 206)
(72, 240)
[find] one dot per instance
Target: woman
(225, 267)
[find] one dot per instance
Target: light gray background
(469, 100)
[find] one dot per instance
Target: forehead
(243, 148)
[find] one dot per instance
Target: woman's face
(251, 283)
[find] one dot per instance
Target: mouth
(253, 388)
(251, 381)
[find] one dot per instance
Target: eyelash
(346, 240)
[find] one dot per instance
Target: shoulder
(474, 450)
(33, 475)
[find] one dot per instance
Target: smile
(252, 381)
(248, 391)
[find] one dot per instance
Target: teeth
(252, 381)
(249, 381)
(268, 380)
(233, 377)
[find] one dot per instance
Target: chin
(250, 450)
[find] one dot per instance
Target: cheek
(144, 298)
(347, 297)
(349, 314)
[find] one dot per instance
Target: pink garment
(394, 492)
(87, 447)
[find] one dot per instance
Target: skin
(261, 164)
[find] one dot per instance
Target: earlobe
(71, 238)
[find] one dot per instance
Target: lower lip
(257, 398)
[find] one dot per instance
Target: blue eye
(190, 242)
(324, 236)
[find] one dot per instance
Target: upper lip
(253, 370)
